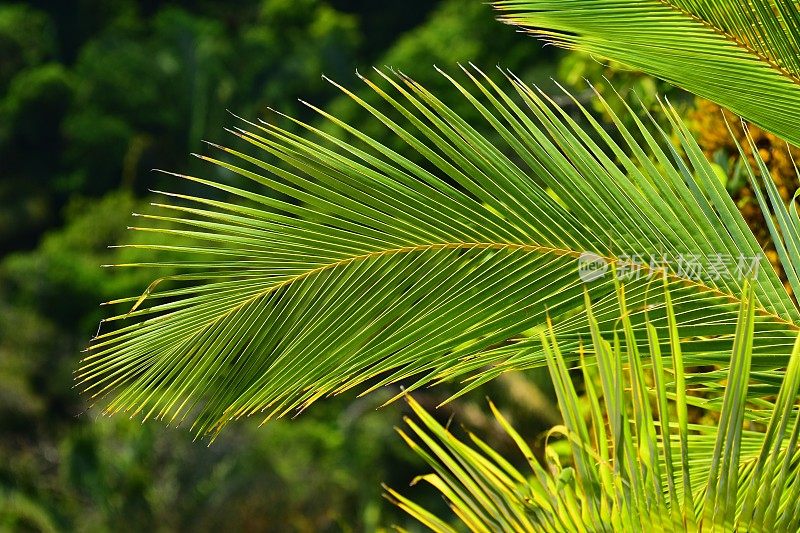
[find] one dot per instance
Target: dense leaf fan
(629, 467)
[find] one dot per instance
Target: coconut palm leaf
(744, 55)
(630, 465)
(344, 263)
(785, 228)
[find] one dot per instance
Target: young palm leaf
(744, 55)
(634, 473)
(347, 263)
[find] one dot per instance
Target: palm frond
(744, 55)
(630, 466)
(345, 263)
(785, 229)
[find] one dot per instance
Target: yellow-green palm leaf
(344, 263)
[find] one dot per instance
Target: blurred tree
(26, 39)
(141, 87)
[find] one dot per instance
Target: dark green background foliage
(94, 94)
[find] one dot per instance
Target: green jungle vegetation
(383, 209)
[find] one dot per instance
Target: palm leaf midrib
(500, 246)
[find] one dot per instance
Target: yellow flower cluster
(708, 120)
